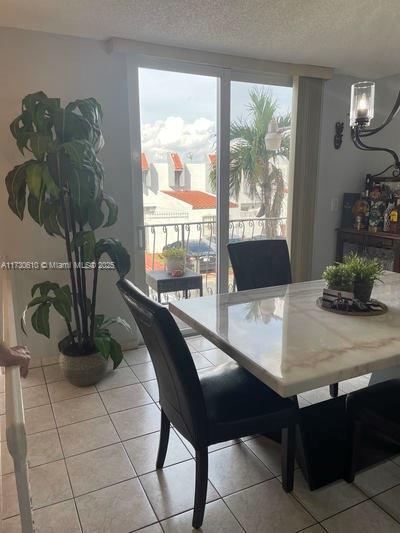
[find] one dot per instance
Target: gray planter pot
(362, 291)
(83, 370)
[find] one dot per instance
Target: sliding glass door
(203, 175)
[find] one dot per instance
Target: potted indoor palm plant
(61, 186)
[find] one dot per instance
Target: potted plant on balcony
(175, 258)
(365, 272)
(62, 187)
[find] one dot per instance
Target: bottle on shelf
(386, 215)
(394, 217)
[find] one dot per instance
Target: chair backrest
(261, 263)
(181, 395)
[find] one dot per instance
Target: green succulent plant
(61, 187)
(339, 277)
(363, 269)
(174, 253)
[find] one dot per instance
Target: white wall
(69, 68)
(340, 170)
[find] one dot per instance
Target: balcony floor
(92, 465)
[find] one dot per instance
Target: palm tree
(253, 168)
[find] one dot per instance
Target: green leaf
(16, 187)
(115, 352)
(50, 219)
(63, 302)
(51, 187)
(103, 345)
(40, 320)
(37, 301)
(39, 144)
(44, 287)
(87, 241)
(36, 208)
(34, 179)
(117, 253)
(112, 210)
(96, 215)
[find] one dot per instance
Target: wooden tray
(353, 313)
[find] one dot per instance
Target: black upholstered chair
(263, 263)
(375, 409)
(221, 404)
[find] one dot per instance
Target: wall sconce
(361, 114)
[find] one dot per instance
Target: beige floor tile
(64, 390)
(200, 344)
(35, 396)
(2, 381)
(171, 490)
(313, 529)
(327, 501)
(268, 451)
(217, 519)
(99, 468)
(60, 517)
(152, 389)
(87, 435)
(35, 362)
(137, 421)
(235, 468)
(155, 528)
(78, 409)
(200, 361)
(44, 448)
(378, 478)
(117, 378)
(389, 501)
(49, 484)
(142, 451)
(53, 373)
(266, 508)
(144, 371)
(217, 356)
(2, 403)
(317, 395)
(363, 518)
(135, 357)
(220, 445)
(353, 384)
(125, 398)
(9, 495)
(51, 360)
(34, 378)
(12, 525)
(121, 508)
(39, 419)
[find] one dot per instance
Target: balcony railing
(200, 242)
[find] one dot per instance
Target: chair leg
(334, 390)
(200, 494)
(164, 438)
(354, 446)
(288, 456)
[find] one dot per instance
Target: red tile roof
(177, 161)
(212, 158)
(145, 162)
(197, 199)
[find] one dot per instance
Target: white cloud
(176, 135)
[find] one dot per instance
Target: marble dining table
(280, 335)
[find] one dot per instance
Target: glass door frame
(224, 77)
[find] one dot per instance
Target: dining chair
(377, 409)
(223, 403)
(263, 263)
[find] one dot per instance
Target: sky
(178, 112)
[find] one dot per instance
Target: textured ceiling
(357, 37)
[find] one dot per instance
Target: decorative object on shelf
(361, 114)
(349, 200)
(338, 138)
(62, 187)
(360, 213)
(175, 259)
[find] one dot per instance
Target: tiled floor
(92, 466)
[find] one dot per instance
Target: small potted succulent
(175, 258)
(365, 272)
